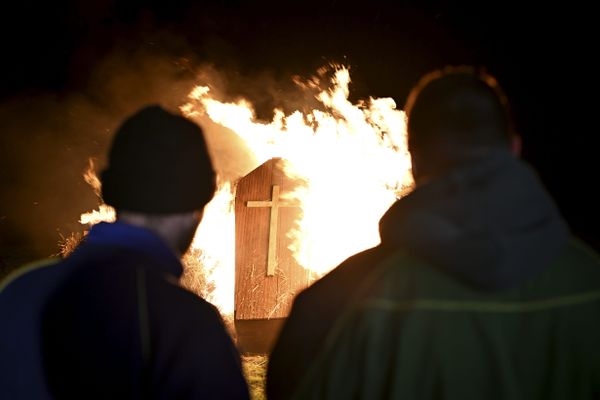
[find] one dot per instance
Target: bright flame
(216, 240)
(104, 213)
(352, 158)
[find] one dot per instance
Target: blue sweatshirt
(111, 321)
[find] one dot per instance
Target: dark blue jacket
(110, 321)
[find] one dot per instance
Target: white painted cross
(274, 203)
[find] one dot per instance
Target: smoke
(47, 140)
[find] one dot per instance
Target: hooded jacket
(476, 291)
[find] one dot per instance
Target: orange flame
(104, 212)
(215, 238)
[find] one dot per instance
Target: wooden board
(267, 275)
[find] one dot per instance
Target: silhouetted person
(111, 321)
(477, 291)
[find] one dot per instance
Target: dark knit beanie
(158, 164)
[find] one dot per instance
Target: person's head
(159, 175)
(454, 114)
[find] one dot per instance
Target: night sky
(72, 70)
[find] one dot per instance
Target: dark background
(71, 71)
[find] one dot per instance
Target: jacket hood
(489, 223)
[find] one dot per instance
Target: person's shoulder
(351, 276)
(580, 253)
(577, 265)
(578, 259)
(346, 275)
(168, 294)
(29, 273)
(181, 314)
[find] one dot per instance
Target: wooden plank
(272, 255)
(291, 277)
(250, 257)
(257, 336)
(265, 291)
(274, 205)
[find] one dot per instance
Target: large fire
(352, 158)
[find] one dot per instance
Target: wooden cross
(274, 203)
